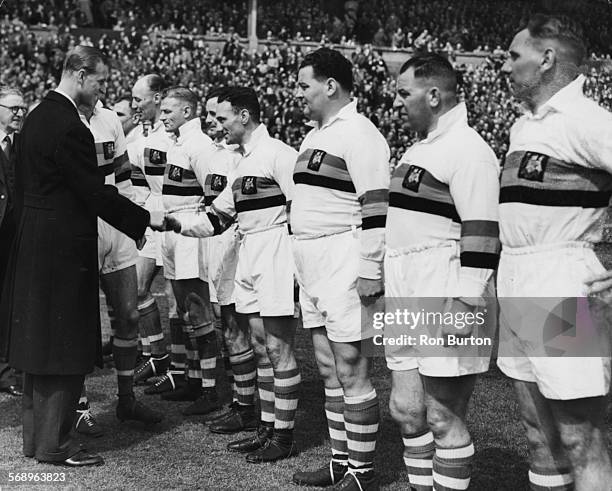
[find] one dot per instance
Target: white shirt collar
(258, 134)
(563, 99)
(456, 116)
(188, 127)
(3, 135)
(345, 112)
(60, 91)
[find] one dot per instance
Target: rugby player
(257, 199)
(555, 188)
(442, 239)
(185, 258)
(338, 211)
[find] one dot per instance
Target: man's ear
(434, 97)
(245, 116)
(81, 74)
(549, 59)
(157, 98)
(331, 86)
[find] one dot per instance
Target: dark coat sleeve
(74, 159)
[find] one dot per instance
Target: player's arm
(368, 166)
(283, 174)
(121, 163)
(75, 157)
(474, 187)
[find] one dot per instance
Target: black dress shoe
(81, 459)
(13, 390)
(258, 440)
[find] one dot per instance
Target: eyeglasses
(15, 109)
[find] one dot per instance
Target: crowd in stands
(34, 64)
(452, 26)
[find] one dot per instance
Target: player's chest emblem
(316, 159)
(413, 178)
(109, 150)
(175, 173)
(157, 157)
(533, 166)
(218, 182)
(249, 185)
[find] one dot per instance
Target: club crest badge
(157, 157)
(218, 182)
(316, 159)
(109, 150)
(249, 185)
(175, 173)
(413, 178)
(533, 166)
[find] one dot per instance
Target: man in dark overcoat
(52, 300)
(12, 112)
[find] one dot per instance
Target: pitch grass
(181, 454)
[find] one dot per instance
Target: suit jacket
(5, 169)
(51, 302)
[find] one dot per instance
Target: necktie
(7, 146)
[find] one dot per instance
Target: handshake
(162, 222)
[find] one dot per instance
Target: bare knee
(440, 422)
(407, 413)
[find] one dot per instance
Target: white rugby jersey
(140, 186)
(150, 157)
(342, 181)
(445, 188)
(257, 193)
(111, 147)
(556, 182)
(188, 160)
(223, 162)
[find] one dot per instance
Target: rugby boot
(151, 368)
(224, 414)
(129, 409)
(362, 481)
(169, 382)
(188, 392)
(239, 418)
(257, 440)
(206, 403)
(280, 446)
(86, 423)
(328, 475)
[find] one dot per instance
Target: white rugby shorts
(327, 269)
(414, 278)
(549, 271)
(116, 250)
(264, 274)
(153, 245)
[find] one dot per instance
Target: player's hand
(156, 221)
(140, 243)
(172, 223)
(600, 285)
(369, 290)
(460, 328)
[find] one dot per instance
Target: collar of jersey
(456, 116)
(188, 127)
(561, 100)
(260, 133)
(345, 112)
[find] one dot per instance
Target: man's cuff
(370, 269)
(470, 287)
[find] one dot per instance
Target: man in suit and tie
(51, 305)
(12, 113)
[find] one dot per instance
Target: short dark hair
(243, 98)
(563, 30)
(182, 94)
(83, 58)
(434, 67)
(155, 82)
(330, 63)
(216, 92)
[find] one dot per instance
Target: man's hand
(461, 327)
(172, 223)
(369, 290)
(157, 221)
(600, 285)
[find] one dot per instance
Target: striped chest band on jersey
(256, 193)
(538, 179)
(154, 161)
(181, 182)
(414, 188)
(316, 167)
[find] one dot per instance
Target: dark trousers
(49, 408)
(8, 229)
